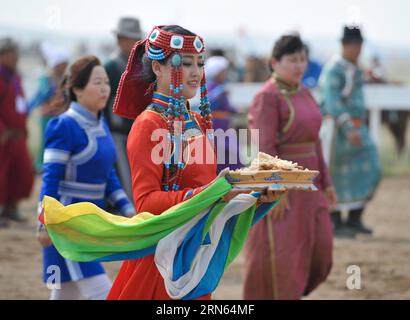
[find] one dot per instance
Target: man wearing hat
(127, 32)
(354, 162)
(16, 171)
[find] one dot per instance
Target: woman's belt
(297, 150)
(356, 122)
(81, 190)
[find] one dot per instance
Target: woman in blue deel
(79, 156)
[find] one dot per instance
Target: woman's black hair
(287, 44)
(147, 72)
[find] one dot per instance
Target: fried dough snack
(265, 161)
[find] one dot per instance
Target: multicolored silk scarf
(193, 242)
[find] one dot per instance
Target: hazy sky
(385, 22)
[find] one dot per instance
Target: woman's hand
(4, 136)
(233, 193)
(280, 209)
(354, 137)
(331, 197)
(43, 238)
(271, 196)
(267, 196)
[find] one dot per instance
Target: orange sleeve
(147, 175)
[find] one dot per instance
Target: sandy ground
(383, 258)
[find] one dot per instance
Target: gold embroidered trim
(272, 256)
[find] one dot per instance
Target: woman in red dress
(163, 72)
(289, 257)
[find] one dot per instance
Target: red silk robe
(288, 258)
(16, 170)
(140, 279)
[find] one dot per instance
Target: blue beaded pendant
(176, 60)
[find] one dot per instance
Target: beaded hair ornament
(134, 94)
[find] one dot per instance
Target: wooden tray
(273, 179)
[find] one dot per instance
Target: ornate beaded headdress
(134, 94)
